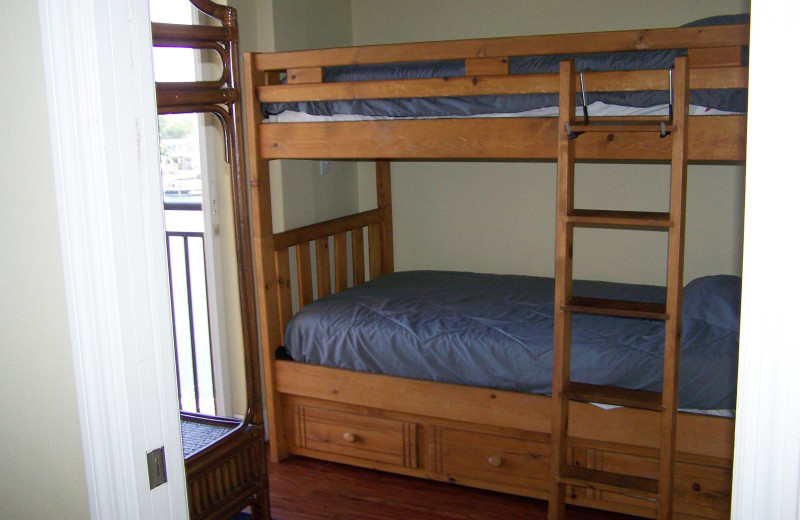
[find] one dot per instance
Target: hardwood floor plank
(307, 489)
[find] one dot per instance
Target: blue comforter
(497, 331)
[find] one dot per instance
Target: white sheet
(596, 109)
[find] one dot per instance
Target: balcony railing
(190, 317)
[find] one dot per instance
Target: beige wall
(389, 21)
(499, 217)
(308, 196)
(300, 195)
(41, 459)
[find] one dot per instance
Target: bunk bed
(489, 99)
(225, 458)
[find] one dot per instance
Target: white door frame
(101, 102)
(766, 465)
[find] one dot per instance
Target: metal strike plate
(156, 467)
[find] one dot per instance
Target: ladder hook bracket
(570, 133)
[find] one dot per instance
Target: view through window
(185, 225)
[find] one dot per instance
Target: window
(189, 165)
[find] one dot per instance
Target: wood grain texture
(307, 489)
(305, 75)
(562, 319)
(497, 83)
(486, 66)
(711, 138)
(698, 435)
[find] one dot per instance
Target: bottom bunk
(492, 435)
(446, 374)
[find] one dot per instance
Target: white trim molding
(101, 102)
(766, 468)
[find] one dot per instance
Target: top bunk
(497, 98)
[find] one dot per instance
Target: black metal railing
(190, 317)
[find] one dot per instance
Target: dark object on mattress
(731, 100)
(496, 331)
(282, 354)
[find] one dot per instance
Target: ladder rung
(620, 218)
(613, 395)
(605, 480)
(623, 308)
(621, 126)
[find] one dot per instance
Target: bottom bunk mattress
(496, 331)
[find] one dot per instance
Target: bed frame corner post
(383, 185)
(264, 256)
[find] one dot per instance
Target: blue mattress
(496, 331)
(729, 100)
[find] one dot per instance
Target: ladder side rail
(563, 289)
(675, 260)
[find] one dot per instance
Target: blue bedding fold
(496, 331)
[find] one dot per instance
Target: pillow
(714, 299)
(725, 19)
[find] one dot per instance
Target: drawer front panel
(699, 489)
(494, 458)
(356, 435)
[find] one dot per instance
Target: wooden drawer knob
(349, 437)
(495, 461)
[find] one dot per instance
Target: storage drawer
(700, 490)
(489, 457)
(356, 435)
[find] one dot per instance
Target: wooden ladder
(665, 403)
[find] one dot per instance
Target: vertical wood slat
(383, 184)
(196, 497)
(205, 491)
(227, 483)
(357, 244)
(305, 287)
(340, 261)
(323, 267)
(241, 474)
(284, 288)
(374, 234)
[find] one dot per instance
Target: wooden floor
(306, 489)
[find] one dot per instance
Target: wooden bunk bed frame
(480, 437)
(228, 474)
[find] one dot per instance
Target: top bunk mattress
(496, 331)
(649, 103)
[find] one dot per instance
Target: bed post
(264, 253)
(383, 185)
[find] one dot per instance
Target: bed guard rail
(358, 256)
